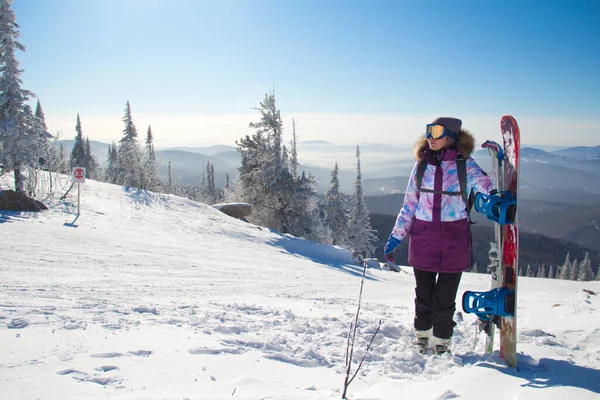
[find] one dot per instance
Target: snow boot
(441, 346)
(423, 339)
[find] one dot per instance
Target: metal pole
(78, 197)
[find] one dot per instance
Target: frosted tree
(574, 272)
(264, 181)
(304, 218)
(552, 272)
(530, 271)
(54, 156)
(112, 167)
(564, 271)
(149, 170)
(169, 179)
(50, 150)
(22, 137)
(229, 195)
(128, 154)
(585, 269)
(279, 199)
(294, 155)
(361, 236)
(78, 154)
(598, 273)
(335, 218)
(91, 164)
(209, 195)
(542, 271)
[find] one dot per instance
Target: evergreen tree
(50, 159)
(294, 156)
(228, 193)
(22, 137)
(335, 218)
(149, 171)
(585, 269)
(598, 273)
(574, 272)
(530, 271)
(128, 154)
(542, 271)
(552, 272)
(565, 270)
(360, 235)
(39, 114)
(91, 164)
(78, 154)
(305, 219)
(112, 168)
(264, 181)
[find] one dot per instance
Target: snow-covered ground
(148, 296)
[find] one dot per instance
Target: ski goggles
(434, 131)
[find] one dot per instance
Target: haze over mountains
(567, 175)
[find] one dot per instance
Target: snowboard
(511, 138)
(497, 308)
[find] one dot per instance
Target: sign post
(79, 178)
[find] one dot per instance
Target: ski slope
(151, 296)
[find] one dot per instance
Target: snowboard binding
(498, 302)
(500, 207)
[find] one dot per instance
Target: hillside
(145, 295)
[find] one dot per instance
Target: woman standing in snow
(436, 217)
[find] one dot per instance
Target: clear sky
(347, 71)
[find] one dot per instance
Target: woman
(435, 215)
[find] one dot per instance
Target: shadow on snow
(325, 255)
(545, 373)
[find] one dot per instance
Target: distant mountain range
(568, 175)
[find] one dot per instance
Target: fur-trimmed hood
(465, 144)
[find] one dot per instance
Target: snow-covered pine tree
(294, 155)
(112, 167)
(542, 271)
(150, 173)
(335, 218)
(229, 195)
(585, 269)
(565, 270)
(574, 272)
(552, 272)
(304, 213)
(39, 113)
(169, 179)
(53, 158)
(78, 153)
(361, 236)
(22, 140)
(210, 190)
(128, 153)
(202, 193)
(91, 164)
(598, 273)
(50, 151)
(530, 271)
(264, 182)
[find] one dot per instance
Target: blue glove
(391, 245)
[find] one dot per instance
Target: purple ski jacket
(438, 224)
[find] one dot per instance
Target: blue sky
(347, 71)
